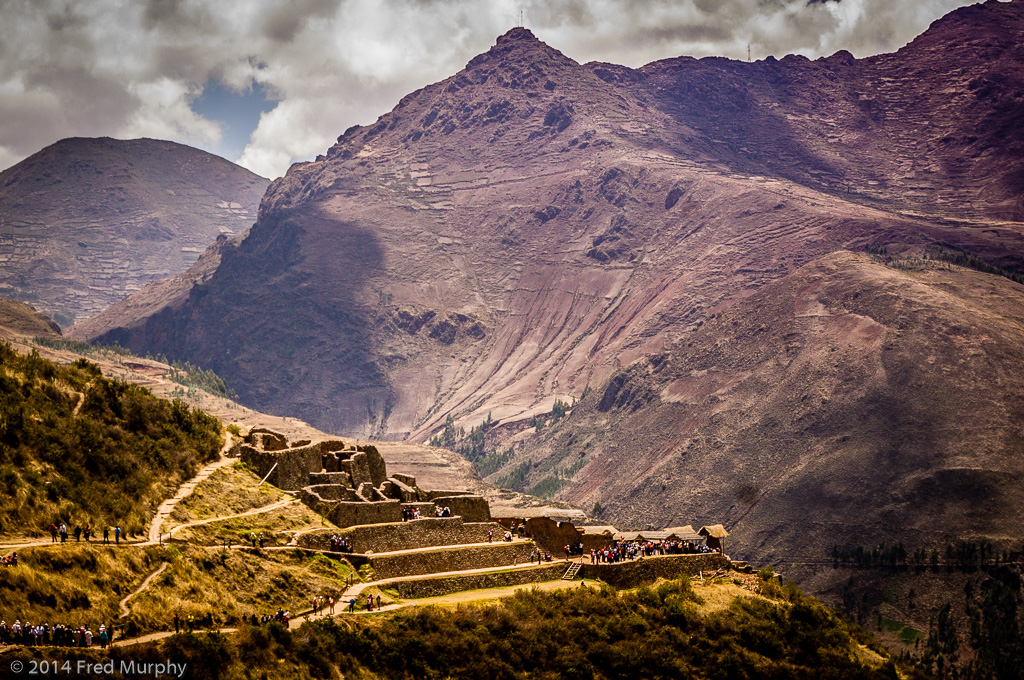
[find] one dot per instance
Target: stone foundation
(421, 533)
(445, 585)
(453, 559)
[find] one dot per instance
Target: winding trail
(247, 513)
(123, 604)
(186, 489)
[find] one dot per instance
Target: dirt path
(123, 604)
(355, 589)
(247, 513)
(186, 489)
(433, 548)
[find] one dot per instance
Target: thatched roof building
(714, 535)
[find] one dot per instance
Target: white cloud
(163, 113)
(127, 68)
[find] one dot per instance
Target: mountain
(520, 232)
(19, 318)
(854, 401)
(85, 222)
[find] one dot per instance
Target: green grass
(905, 633)
(79, 448)
(82, 584)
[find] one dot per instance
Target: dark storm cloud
(127, 68)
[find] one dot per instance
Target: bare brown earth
(530, 225)
(849, 403)
(19, 318)
(85, 222)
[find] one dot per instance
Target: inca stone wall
(293, 465)
(554, 536)
(421, 533)
(344, 514)
(433, 587)
(455, 559)
(470, 508)
(649, 569)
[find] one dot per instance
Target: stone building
(348, 485)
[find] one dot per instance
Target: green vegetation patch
(82, 449)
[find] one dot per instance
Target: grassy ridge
(79, 448)
(653, 632)
(82, 584)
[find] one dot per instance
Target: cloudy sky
(268, 82)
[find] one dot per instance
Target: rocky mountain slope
(85, 222)
(525, 228)
(850, 402)
(529, 227)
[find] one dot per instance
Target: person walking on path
(177, 622)
(117, 535)
(78, 534)
(106, 535)
(53, 533)
(490, 535)
(378, 602)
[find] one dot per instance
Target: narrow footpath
(186, 489)
(123, 604)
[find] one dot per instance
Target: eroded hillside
(525, 228)
(850, 402)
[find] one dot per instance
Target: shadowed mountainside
(530, 226)
(85, 222)
(512, 234)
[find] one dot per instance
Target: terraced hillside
(85, 222)
(525, 228)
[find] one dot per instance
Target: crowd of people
(9, 560)
(340, 544)
(631, 550)
(59, 533)
(36, 635)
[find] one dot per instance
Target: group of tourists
(282, 616)
(539, 556)
(411, 513)
(37, 635)
(257, 541)
(322, 602)
(61, 532)
(340, 544)
(9, 560)
(631, 550)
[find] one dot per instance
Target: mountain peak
(518, 33)
(521, 45)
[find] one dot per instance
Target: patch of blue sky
(238, 114)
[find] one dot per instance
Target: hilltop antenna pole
(748, 53)
(520, 18)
